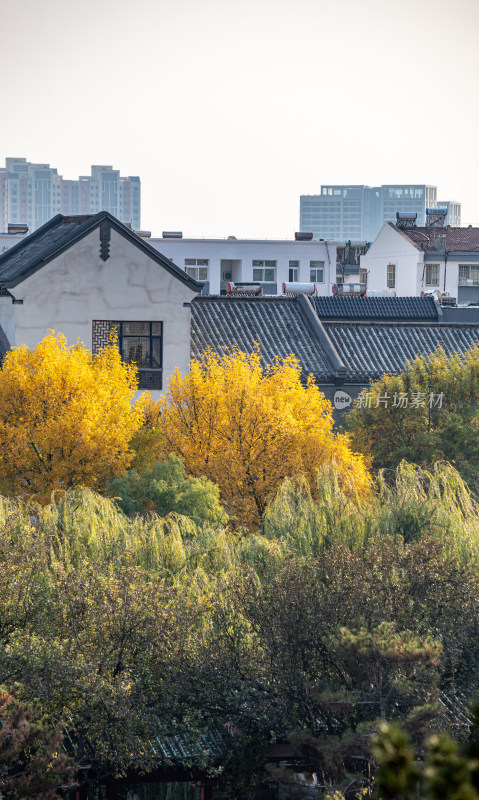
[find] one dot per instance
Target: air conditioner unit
(227, 276)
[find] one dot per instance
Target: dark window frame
(149, 377)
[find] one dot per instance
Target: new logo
(342, 400)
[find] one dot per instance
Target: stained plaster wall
(78, 287)
(7, 318)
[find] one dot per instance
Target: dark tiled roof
(277, 324)
(32, 248)
(368, 351)
(184, 749)
(455, 238)
(58, 234)
(380, 308)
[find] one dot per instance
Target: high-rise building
(358, 212)
(31, 194)
(453, 209)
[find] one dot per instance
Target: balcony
(469, 281)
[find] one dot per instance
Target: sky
(229, 110)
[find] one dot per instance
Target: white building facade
(85, 276)
(393, 262)
(425, 260)
(216, 262)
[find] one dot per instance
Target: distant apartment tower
(31, 194)
(358, 212)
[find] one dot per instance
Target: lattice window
(100, 334)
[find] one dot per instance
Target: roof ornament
(105, 235)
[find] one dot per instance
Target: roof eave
(90, 224)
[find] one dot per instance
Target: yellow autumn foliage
(247, 428)
(66, 417)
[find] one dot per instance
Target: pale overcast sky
(228, 110)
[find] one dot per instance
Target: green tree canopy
(165, 487)
(439, 422)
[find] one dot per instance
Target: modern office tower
(407, 200)
(358, 212)
(453, 209)
(336, 210)
(31, 194)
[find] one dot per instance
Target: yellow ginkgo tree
(247, 427)
(66, 417)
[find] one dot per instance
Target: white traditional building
(83, 276)
(413, 260)
(215, 262)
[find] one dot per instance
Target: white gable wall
(77, 287)
(7, 318)
(393, 247)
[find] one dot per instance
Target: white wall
(7, 309)
(393, 247)
(247, 250)
(451, 271)
(452, 276)
(7, 318)
(7, 240)
(78, 287)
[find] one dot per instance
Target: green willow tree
(314, 627)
